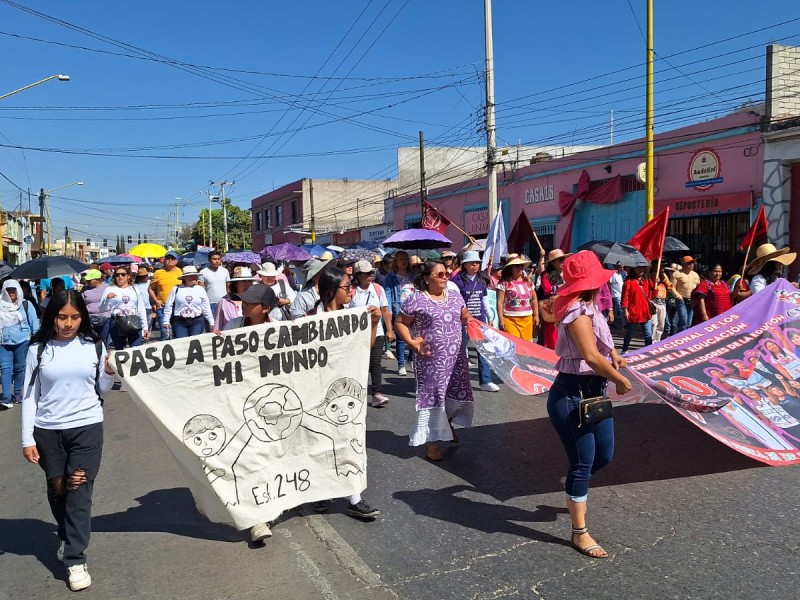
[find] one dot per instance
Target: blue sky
(204, 90)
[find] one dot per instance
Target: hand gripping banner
(260, 419)
(736, 377)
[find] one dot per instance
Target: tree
(239, 227)
(120, 245)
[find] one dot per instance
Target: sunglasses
(122, 274)
(439, 275)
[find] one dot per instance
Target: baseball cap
(258, 294)
(171, 254)
(92, 274)
(363, 266)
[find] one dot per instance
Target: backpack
(378, 291)
(285, 312)
(98, 346)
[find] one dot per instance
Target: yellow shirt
(685, 283)
(164, 281)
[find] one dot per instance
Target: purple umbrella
(247, 257)
(417, 239)
(287, 252)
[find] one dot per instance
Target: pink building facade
(709, 174)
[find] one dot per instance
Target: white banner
(260, 419)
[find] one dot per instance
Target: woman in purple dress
(430, 323)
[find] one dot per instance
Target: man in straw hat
(306, 300)
(587, 362)
(767, 268)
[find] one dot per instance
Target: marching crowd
(419, 309)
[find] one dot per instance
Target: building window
(258, 220)
(268, 218)
(294, 212)
(279, 216)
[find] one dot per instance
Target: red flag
(649, 240)
(757, 230)
(521, 235)
(433, 219)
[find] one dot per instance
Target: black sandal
(586, 551)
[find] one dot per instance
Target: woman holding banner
(334, 294)
(587, 361)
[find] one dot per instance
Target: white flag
(496, 243)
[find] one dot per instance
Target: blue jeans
(182, 327)
(588, 448)
(647, 333)
(214, 308)
(12, 369)
(121, 340)
(401, 348)
(619, 314)
(684, 314)
(166, 333)
(484, 370)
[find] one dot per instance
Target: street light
(35, 83)
(45, 197)
(224, 219)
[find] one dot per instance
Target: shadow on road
(169, 511)
(525, 458)
(444, 505)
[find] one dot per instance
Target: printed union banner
(260, 419)
(736, 377)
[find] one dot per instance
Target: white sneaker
(6, 405)
(389, 354)
(60, 551)
(79, 578)
(489, 387)
(379, 400)
(402, 371)
(260, 532)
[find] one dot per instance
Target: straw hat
(189, 271)
(239, 274)
(517, 259)
(768, 253)
(414, 261)
(556, 254)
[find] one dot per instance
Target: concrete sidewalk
(149, 541)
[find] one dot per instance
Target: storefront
(710, 175)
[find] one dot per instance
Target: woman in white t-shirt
(188, 309)
(129, 324)
(366, 292)
(62, 421)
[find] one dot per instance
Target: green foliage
(239, 227)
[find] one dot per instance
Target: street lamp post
(35, 83)
(45, 197)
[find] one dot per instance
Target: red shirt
(636, 294)
(717, 297)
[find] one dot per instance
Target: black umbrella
(47, 267)
(5, 269)
(672, 244)
(611, 253)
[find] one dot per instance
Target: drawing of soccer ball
(273, 412)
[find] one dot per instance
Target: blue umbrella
(119, 260)
(319, 250)
(366, 245)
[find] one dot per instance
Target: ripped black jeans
(70, 459)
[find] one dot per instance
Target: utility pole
(649, 150)
(491, 142)
(312, 221)
(41, 222)
(210, 221)
(422, 186)
(358, 218)
(222, 185)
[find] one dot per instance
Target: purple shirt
(569, 358)
(473, 293)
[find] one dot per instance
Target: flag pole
(663, 241)
(744, 266)
(536, 237)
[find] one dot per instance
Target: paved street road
(682, 516)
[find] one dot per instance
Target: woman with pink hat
(587, 361)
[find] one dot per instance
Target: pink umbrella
(135, 259)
